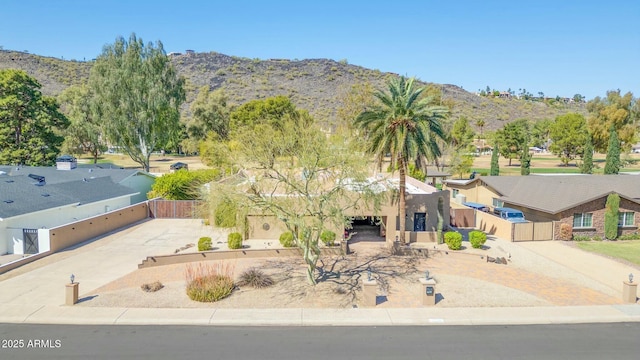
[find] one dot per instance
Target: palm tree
(405, 125)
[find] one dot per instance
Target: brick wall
(597, 208)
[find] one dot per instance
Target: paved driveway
(98, 262)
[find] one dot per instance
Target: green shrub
(255, 278)
(581, 238)
(328, 237)
(632, 236)
(204, 243)
(207, 283)
(453, 239)
(477, 239)
(234, 240)
(286, 239)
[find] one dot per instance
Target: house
(35, 199)
(576, 200)
(426, 206)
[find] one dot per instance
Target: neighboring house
(424, 206)
(576, 200)
(34, 199)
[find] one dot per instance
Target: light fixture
(72, 278)
(426, 275)
(369, 274)
(630, 277)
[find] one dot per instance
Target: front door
(419, 222)
(30, 237)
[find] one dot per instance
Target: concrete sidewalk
(51, 314)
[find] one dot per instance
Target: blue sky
(557, 47)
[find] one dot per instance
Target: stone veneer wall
(598, 208)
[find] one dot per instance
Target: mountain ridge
(317, 85)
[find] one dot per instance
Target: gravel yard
(465, 279)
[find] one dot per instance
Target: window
(582, 220)
(454, 193)
(497, 203)
(626, 219)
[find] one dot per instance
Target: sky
(561, 47)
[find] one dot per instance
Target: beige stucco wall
(476, 192)
(71, 234)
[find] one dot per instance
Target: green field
(627, 250)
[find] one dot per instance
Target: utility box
(428, 293)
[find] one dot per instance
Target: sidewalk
(51, 314)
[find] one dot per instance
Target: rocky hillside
(317, 85)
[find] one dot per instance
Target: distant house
(576, 200)
(34, 199)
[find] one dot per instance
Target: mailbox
(429, 290)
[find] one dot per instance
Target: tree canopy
(138, 94)
(30, 123)
(513, 138)
(312, 193)
(405, 125)
(84, 134)
(273, 111)
(617, 111)
(569, 134)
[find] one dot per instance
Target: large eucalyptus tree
(138, 94)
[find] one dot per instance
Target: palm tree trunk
(402, 203)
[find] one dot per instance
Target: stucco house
(425, 204)
(35, 199)
(576, 200)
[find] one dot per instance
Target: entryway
(30, 237)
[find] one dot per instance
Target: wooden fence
(174, 209)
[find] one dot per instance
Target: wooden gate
(173, 209)
(532, 231)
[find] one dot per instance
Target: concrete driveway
(99, 261)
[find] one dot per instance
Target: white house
(34, 199)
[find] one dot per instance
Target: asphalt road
(566, 342)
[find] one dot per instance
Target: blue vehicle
(509, 214)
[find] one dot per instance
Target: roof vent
(38, 178)
(8, 201)
(9, 181)
(45, 195)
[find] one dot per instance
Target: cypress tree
(611, 216)
(587, 157)
(495, 168)
(613, 153)
(525, 162)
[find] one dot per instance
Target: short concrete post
(370, 291)
(71, 294)
(629, 292)
(428, 294)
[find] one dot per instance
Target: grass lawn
(628, 250)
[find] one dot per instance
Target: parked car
(477, 206)
(509, 214)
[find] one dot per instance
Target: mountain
(317, 85)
